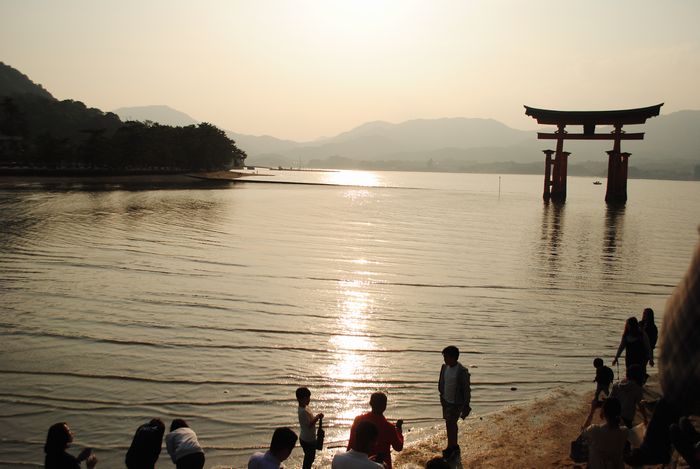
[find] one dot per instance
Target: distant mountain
(263, 144)
(671, 148)
(14, 82)
(164, 115)
(430, 134)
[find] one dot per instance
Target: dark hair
(283, 439)
(365, 435)
(636, 374)
(377, 399)
(632, 326)
(302, 393)
(437, 463)
(598, 362)
(451, 351)
(648, 316)
(611, 411)
(57, 438)
(178, 423)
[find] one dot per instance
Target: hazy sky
(302, 69)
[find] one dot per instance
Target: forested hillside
(39, 131)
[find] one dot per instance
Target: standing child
(307, 426)
(455, 396)
(603, 376)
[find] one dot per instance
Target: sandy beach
(536, 434)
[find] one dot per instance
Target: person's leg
(309, 453)
(598, 390)
(451, 427)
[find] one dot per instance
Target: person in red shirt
(390, 435)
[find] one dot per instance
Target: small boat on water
(597, 183)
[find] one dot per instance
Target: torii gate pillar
(616, 189)
(547, 194)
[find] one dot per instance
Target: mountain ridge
(671, 148)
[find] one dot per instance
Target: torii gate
(555, 169)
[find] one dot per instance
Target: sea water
(120, 304)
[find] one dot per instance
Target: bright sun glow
(352, 178)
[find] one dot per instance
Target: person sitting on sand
(183, 447)
(606, 442)
(455, 396)
(603, 377)
(389, 436)
(146, 445)
(358, 456)
(630, 394)
(283, 441)
(58, 440)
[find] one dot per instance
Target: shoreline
(19, 179)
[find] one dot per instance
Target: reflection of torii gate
(555, 169)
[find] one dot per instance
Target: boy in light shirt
(455, 395)
(307, 426)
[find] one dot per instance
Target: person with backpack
(146, 445)
(603, 377)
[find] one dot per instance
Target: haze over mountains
(671, 148)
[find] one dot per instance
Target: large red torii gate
(555, 168)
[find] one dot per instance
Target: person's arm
(642, 406)
(619, 350)
(313, 421)
(397, 440)
(467, 394)
(91, 461)
(170, 445)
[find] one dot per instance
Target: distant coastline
(14, 177)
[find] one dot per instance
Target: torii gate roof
(587, 118)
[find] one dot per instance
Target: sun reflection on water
(351, 369)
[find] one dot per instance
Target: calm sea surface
(215, 304)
